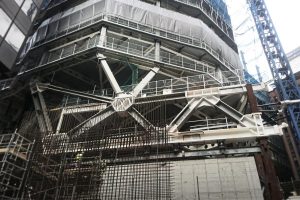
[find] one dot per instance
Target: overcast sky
(285, 15)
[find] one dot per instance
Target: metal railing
(163, 87)
(189, 40)
(170, 86)
(211, 124)
(130, 47)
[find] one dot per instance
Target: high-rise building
(131, 99)
(16, 19)
(294, 58)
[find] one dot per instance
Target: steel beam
(46, 86)
(229, 135)
(140, 119)
(61, 118)
(143, 83)
(242, 103)
(185, 155)
(85, 108)
(191, 138)
(243, 120)
(263, 160)
(40, 117)
(110, 76)
(183, 115)
(79, 76)
(266, 170)
(41, 110)
(91, 122)
(196, 113)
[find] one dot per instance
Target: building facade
(294, 58)
(16, 19)
(135, 100)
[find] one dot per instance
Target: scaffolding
(15, 152)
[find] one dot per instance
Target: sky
(285, 15)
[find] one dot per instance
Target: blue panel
(221, 7)
(260, 95)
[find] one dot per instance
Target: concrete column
(157, 3)
(157, 50)
(219, 74)
(103, 34)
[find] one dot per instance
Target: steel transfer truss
(284, 78)
(105, 130)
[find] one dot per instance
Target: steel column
(264, 163)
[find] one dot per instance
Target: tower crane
(282, 73)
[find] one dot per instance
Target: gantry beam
(186, 139)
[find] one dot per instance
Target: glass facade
(15, 37)
(5, 22)
(16, 17)
(10, 30)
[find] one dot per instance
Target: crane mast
(282, 73)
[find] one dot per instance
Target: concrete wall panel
(225, 178)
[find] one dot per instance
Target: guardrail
(128, 47)
(162, 87)
(211, 124)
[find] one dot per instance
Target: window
(15, 37)
(29, 8)
(4, 21)
(19, 2)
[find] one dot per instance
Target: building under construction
(134, 99)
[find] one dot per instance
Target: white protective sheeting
(140, 12)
